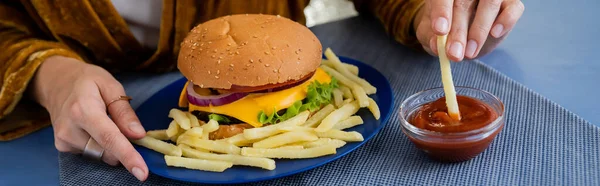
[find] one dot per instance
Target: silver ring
(93, 150)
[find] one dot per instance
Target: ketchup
(452, 141)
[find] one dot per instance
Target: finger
(104, 131)
(487, 10)
(441, 16)
(457, 39)
(433, 45)
(110, 159)
(120, 110)
(510, 14)
(424, 33)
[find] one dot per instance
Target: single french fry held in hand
(338, 115)
(198, 164)
(369, 89)
(285, 138)
(181, 118)
(338, 97)
(447, 81)
(318, 116)
(173, 129)
(214, 146)
(341, 135)
(374, 108)
(346, 91)
(158, 146)
(264, 163)
(348, 123)
(357, 91)
(321, 142)
(289, 153)
(353, 69)
(266, 131)
(193, 120)
(158, 134)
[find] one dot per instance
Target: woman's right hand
(75, 94)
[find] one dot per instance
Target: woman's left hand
(474, 27)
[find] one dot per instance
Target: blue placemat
(541, 144)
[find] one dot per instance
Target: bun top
(248, 50)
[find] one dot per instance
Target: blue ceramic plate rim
(176, 86)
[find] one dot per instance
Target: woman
(58, 54)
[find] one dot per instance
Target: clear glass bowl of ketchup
(425, 121)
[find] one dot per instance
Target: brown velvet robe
(94, 32)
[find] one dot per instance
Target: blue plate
(153, 115)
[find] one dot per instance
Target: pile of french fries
(302, 136)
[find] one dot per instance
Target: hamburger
(248, 71)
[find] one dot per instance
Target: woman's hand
(76, 94)
(474, 27)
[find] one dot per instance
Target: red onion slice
(214, 100)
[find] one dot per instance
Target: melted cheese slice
(248, 108)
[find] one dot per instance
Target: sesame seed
(278, 16)
(245, 68)
(274, 48)
(201, 44)
(297, 52)
(275, 70)
(218, 72)
(217, 77)
(251, 61)
(201, 85)
(209, 72)
(300, 49)
(213, 56)
(260, 60)
(254, 36)
(231, 65)
(236, 52)
(247, 65)
(218, 61)
(215, 51)
(227, 49)
(228, 44)
(266, 52)
(267, 65)
(220, 57)
(209, 42)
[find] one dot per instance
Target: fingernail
(456, 49)
(136, 128)
(497, 30)
(441, 25)
(471, 47)
(138, 173)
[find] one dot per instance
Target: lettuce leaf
(317, 95)
(219, 118)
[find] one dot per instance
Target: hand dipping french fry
(447, 82)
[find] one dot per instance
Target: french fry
(346, 91)
(296, 129)
(264, 163)
(341, 135)
(266, 131)
(291, 147)
(158, 134)
(321, 142)
(181, 118)
(193, 120)
(348, 123)
(338, 97)
(289, 153)
(239, 140)
(374, 108)
(198, 164)
(211, 126)
(285, 138)
(318, 116)
(336, 116)
(346, 101)
(173, 129)
(447, 82)
(214, 146)
(183, 146)
(158, 146)
(353, 69)
(369, 89)
(195, 132)
(357, 91)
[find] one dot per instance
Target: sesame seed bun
(248, 50)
